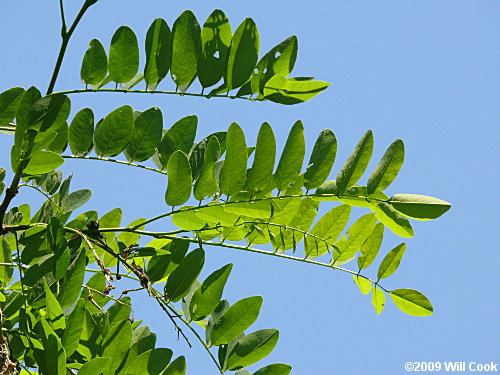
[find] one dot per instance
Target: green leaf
(283, 90)
(111, 219)
(97, 282)
(260, 176)
(392, 219)
(160, 266)
(292, 158)
(365, 286)
(146, 136)
(151, 362)
(176, 367)
(30, 97)
(60, 142)
(42, 162)
(74, 327)
(179, 179)
(391, 261)
(129, 238)
(321, 161)
(388, 168)
(53, 351)
(206, 185)
(123, 55)
(59, 246)
(254, 209)
(243, 54)
(81, 132)
(73, 280)
(215, 40)
(5, 257)
(185, 45)
(94, 64)
(181, 279)
(378, 299)
(274, 369)
(329, 228)
(186, 301)
(371, 247)
(9, 103)
(116, 344)
(356, 164)
(411, 302)
(55, 315)
(76, 199)
(208, 295)
(252, 348)
(356, 237)
(197, 154)
(115, 131)
(179, 137)
(234, 170)
(420, 207)
(93, 366)
(279, 60)
(119, 312)
(44, 265)
(235, 320)
(157, 53)
(49, 112)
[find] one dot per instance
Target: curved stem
(41, 192)
(115, 161)
(68, 92)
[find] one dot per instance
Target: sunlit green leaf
(206, 185)
(356, 236)
(321, 161)
(60, 142)
(215, 40)
(179, 137)
(93, 366)
(292, 158)
(54, 316)
(9, 102)
(53, 351)
(208, 295)
(5, 257)
(43, 162)
(233, 173)
(392, 219)
(76, 199)
(371, 247)
(179, 179)
(151, 362)
(123, 55)
(116, 344)
(356, 164)
(411, 302)
(252, 348)
(176, 367)
(30, 97)
(420, 207)
(114, 132)
(236, 319)
(260, 175)
(185, 47)
(181, 279)
(49, 112)
(283, 90)
(146, 136)
(74, 328)
(72, 282)
(158, 53)
(81, 132)
(378, 299)
(391, 261)
(95, 64)
(243, 54)
(365, 286)
(274, 369)
(388, 168)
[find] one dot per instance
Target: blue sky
(425, 72)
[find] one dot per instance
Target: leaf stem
(115, 161)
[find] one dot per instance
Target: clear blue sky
(423, 71)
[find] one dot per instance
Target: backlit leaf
(95, 64)
(391, 261)
(252, 348)
(365, 286)
(280, 89)
(233, 173)
(393, 220)
(9, 102)
(206, 185)
(179, 137)
(179, 179)
(321, 161)
(411, 302)
(43, 162)
(146, 136)
(114, 132)
(378, 299)
(81, 132)
(123, 55)
(76, 199)
(260, 175)
(420, 207)
(158, 53)
(388, 168)
(292, 158)
(181, 279)
(371, 247)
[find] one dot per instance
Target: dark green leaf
(252, 348)
(152, 362)
(371, 247)
(176, 367)
(60, 142)
(123, 55)
(388, 168)
(208, 295)
(53, 351)
(160, 266)
(157, 53)
(197, 154)
(73, 280)
(411, 302)
(38, 270)
(94, 64)
(30, 97)
(74, 327)
(206, 185)
(420, 207)
(179, 179)
(233, 173)
(146, 136)
(291, 160)
(81, 132)
(321, 161)
(116, 344)
(9, 102)
(119, 311)
(275, 369)
(55, 315)
(391, 261)
(181, 279)
(179, 137)
(114, 133)
(76, 199)
(50, 112)
(356, 164)
(243, 54)
(5, 257)
(185, 47)
(260, 176)
(235, 320)
(215, 40)
(280, 89)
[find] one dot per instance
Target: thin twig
(115, 161)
